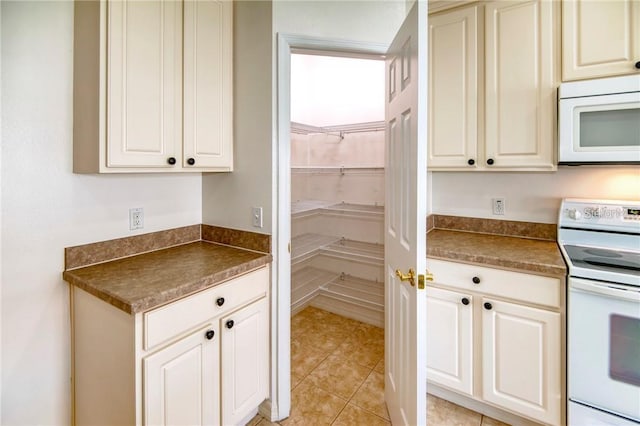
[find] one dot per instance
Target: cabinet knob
(191, 161)
(471, 161)
(229, 324)
(220, 301)
(465, 301)
(476, 280)
(488, 306)
(637, 65)
(490, 161)
(209, 334)
(171, 160)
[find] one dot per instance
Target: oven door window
(624, 349)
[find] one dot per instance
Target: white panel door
(453, 89)
(600, 38)
(144, 83)
(245, 361)
(405, 220)
(520, 95)
(181, 382)
(521, 359)
(208, 84)
(450, 339)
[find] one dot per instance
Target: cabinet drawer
(175, 318)
(512, 285)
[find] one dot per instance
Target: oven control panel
(621, 216)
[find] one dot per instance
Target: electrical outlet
(256, 214)
(136, 218)
(498, 206)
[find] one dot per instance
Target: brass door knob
(411, 276)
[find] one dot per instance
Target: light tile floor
(337, 377)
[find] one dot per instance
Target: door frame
(279, 406)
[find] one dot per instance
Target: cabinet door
(245, 360)
(450, 339)
(181, 382)
(520, 98)
(208, 85)
(144, 83)
(521, 352)
(600, 38)
(453, 89)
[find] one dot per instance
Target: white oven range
(600, 241)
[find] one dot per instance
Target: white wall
(367, 21)
(1, 214)
(45, 207)
(533, 197)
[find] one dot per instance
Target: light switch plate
(256, 214)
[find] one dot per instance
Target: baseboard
(479, 407)
(269, 411)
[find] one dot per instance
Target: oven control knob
(574, 214)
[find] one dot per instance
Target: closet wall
(337, 182)
(331, 167)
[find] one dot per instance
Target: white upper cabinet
(492, 94)
(600, 38)
(453, 88)
(208, 86)
(144, 76)
(520, 84)
(153, 86)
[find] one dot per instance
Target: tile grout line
(351, 397)
(366, 409)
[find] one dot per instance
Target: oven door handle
(616, 291)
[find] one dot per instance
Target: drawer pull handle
(476, 280)
(488, 306)
(220, 301)
(171, 161)
(191, 161)
(471, 161)
(209, 334)
(230, 324)
(465, 301)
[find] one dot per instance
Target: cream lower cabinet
(181, 382)
(495, 337)
(521, 359)
(245, 370)
(450, 339)
(153, 89)
(492, 90)
(201, 360)
(600, 38)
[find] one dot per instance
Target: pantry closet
(337, 186)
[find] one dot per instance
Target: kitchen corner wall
(533, 197)
(227, 198)
(45, 207)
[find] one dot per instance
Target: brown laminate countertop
(145, 281)
(515, 253)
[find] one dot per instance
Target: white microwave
(599, 121)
